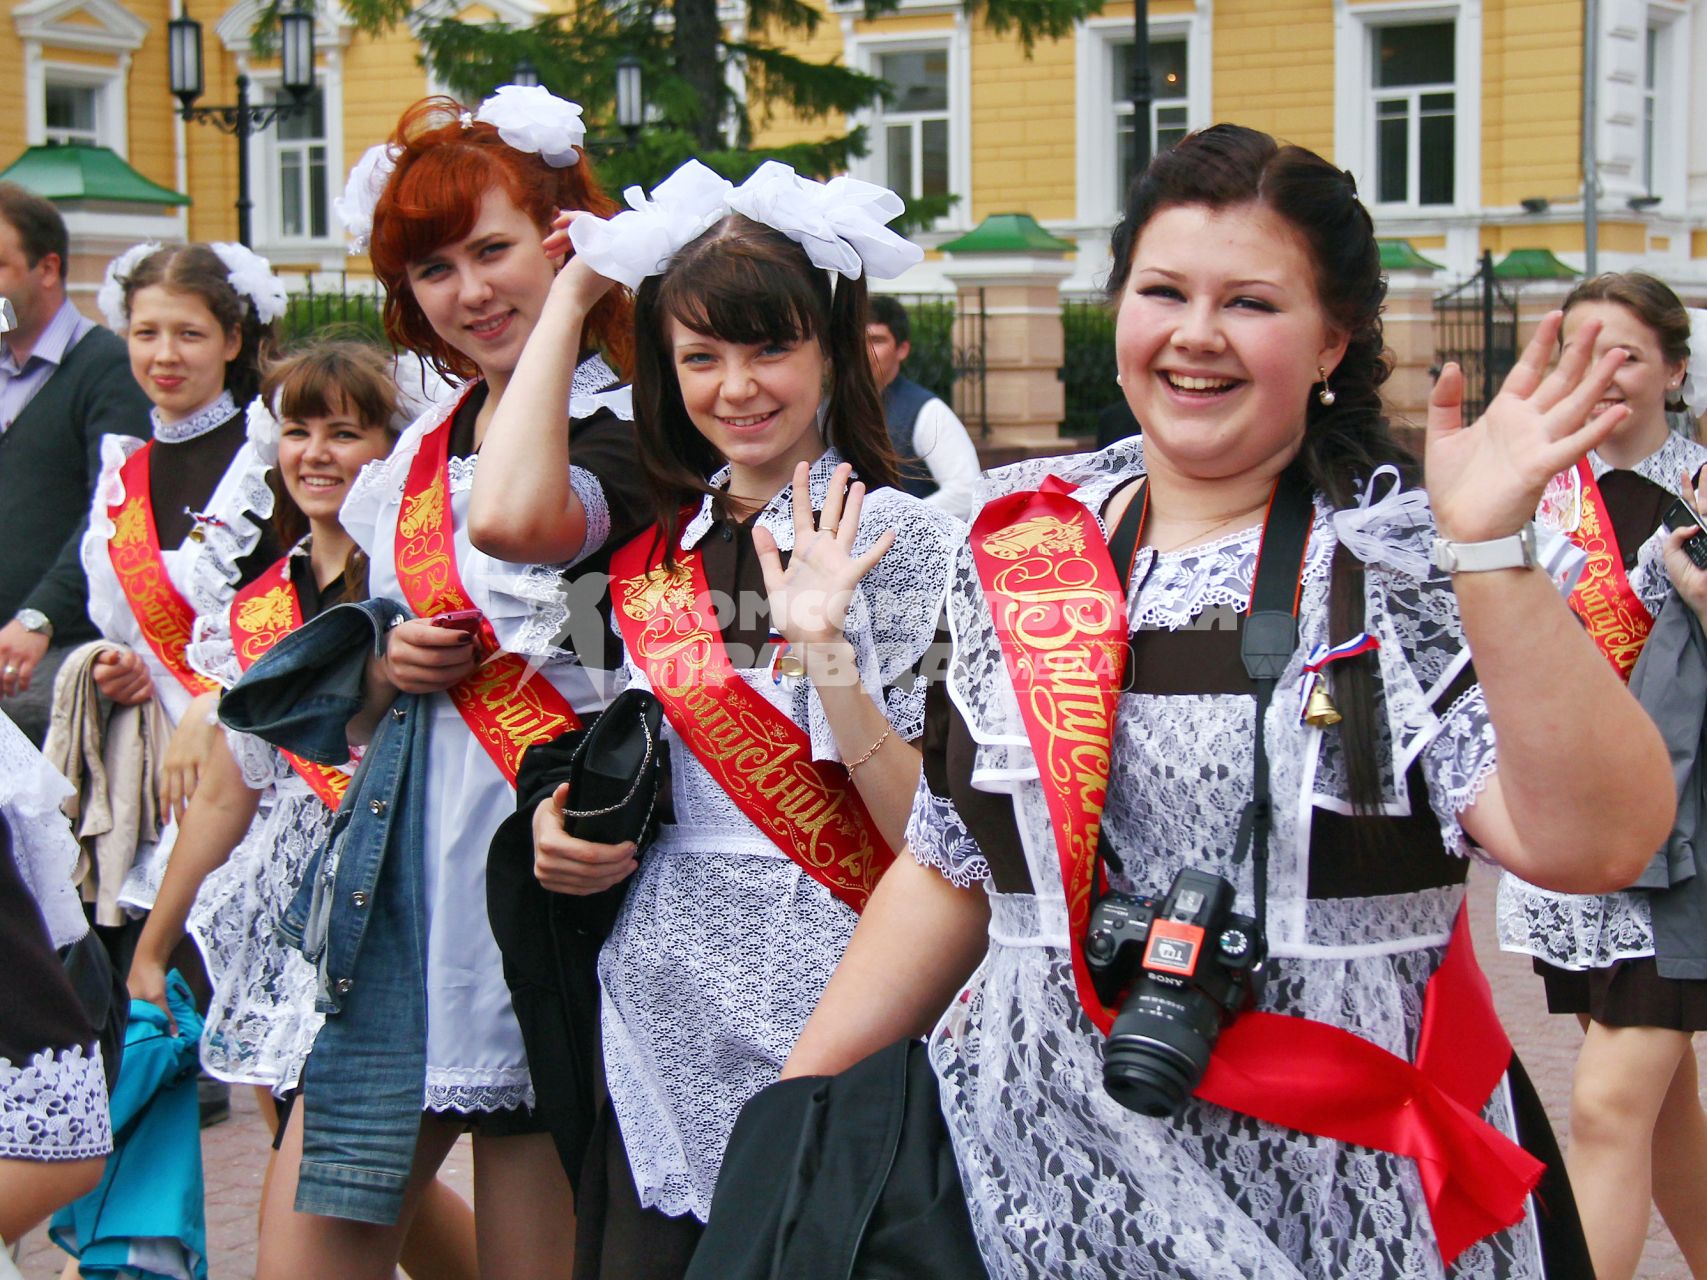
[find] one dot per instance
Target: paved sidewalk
(236, 1150)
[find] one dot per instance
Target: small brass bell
(790, 666)
(1319, 708)
(196, 534)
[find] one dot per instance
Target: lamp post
(1141, 89)
(526, 74)
(630, 104)
(296, 50)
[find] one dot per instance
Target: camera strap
(1266, 646)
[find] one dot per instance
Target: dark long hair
(745, 282)
(1228, 165)
(196, 269)
(444, 170)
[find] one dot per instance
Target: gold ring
(790, 666)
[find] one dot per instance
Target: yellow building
(1459, 118)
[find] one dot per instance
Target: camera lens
(1158, 1050)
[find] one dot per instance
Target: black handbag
(616, 772)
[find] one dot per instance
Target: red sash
(1608, 605)
(161, 612)
(761, 758)
(505, 706)
(1060, 614)
(262, 614)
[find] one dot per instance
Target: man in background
(64, 383)
(938, 460)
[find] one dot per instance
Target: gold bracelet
(874, 746)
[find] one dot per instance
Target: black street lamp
(526, 74)
(1141, 90)
(630, 104)
(296, 51)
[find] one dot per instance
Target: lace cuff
(938, 838)
(54, 1107)
(1458, 763)
(45, 851)
(587, 488)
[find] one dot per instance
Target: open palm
(1485, 480)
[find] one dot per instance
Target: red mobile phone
(466, 621)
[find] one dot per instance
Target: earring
(1326, 394)
(1119, 381)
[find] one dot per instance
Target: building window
(300, 155)
(1169, 109)
(1414, 85)
(72, 113)
(913, 133)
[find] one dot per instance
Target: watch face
(32, 620)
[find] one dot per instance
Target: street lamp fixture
(185, 71)
(1641, 204)
(526, 75)
(630, 104)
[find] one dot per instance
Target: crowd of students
(1138, 812)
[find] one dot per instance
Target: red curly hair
(443, 172)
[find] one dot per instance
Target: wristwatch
(34, 620)
(1514, 551)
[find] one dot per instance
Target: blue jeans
(358, 916)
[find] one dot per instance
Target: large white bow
(362, 191)
(840, 224)
(110, 296)
(252, 276)
(1695, 373)
(532, 118)
(1373, 530)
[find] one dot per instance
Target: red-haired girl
(453, 211)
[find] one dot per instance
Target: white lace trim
(595, 386)
(199, 423)
(43, 846)
(1572, 930)
(592, 495)
(938, 838)
(470, 1089)
(54, 1107)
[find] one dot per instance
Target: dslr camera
(1179, 970)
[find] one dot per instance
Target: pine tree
(707, 89)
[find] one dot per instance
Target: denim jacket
(358, 916)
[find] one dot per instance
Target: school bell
(1319, 709)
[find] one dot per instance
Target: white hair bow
(262, 429)
(361, 193)
(532, 118)
(110, 297)
(252, 276)
(840, 224)
(1695, 373)
(1374, 530)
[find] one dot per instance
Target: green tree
(696, 108)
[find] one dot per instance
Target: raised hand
(575, 279)
(809, 600)
(1485, 480)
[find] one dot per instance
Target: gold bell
(790, 666)
(196, 534)
(1319, 708)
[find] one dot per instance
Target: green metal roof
(80, 172)
(1533, 264)
(1402, 255)
(1009, 233)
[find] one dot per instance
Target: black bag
(550, 941)
(842, 1176)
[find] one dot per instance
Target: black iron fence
(322, 300)
(1087, 362)
(1475, 324)
(948, 351)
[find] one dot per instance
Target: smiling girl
(1248, 340)
(179, 522)
(762, 437)
(453, 210)
(1638, 1132)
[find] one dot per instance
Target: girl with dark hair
(179, 522)
(780, 610)
(1099, 722)
(1638, 1132)
(453, 211)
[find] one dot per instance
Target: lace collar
(199, 423)
(1663, 465)
(778, 513)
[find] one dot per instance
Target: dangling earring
(1119, 381)
(1326, 394)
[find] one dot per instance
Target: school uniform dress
(1595, 952)
(53, 1087)
(724, 944)
(1062, 1180)
(475, 1060)
(210, 504)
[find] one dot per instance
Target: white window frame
(1670, 23)
(43, 28)
(1099, 199)
(269, 147)
(1354, 97)
(863, 53)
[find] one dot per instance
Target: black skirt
(1627, 993)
